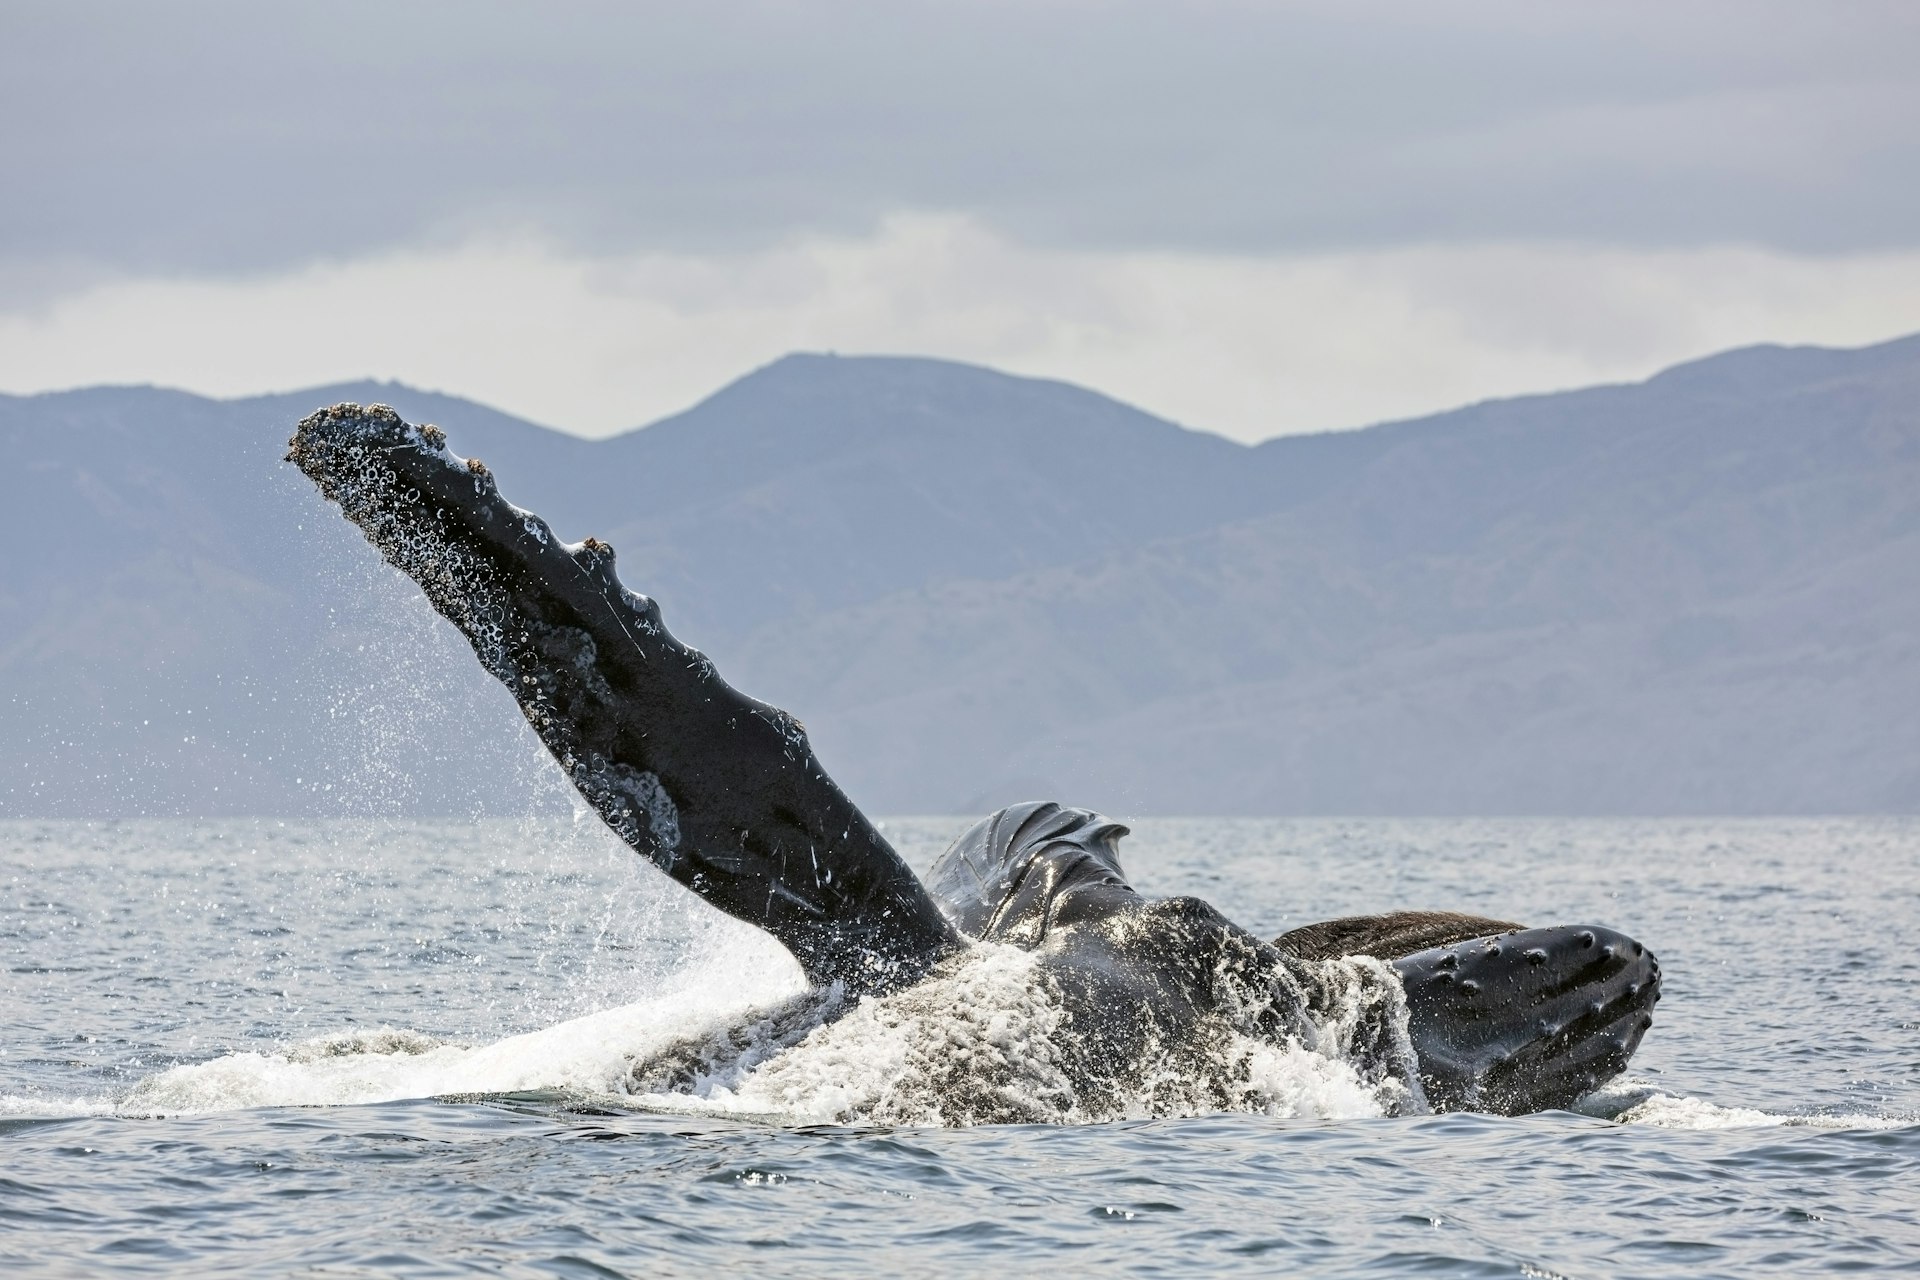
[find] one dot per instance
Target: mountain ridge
(1553, 603)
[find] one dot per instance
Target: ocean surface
(356, 1048)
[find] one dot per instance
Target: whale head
(1528, 1020)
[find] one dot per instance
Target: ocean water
(255, 1047)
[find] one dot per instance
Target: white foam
(1626, 1100)
(1288, 1081)
(23, 1104)
(982, 1041)
(589, 1055)
(1668, 1112)
(976, 1042)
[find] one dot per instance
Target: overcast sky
(1255, 218)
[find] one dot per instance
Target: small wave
(1634, 1102)
(36, 1107)
(1668, 1112)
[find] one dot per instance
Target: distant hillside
(1696, 594)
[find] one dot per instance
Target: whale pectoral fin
(1386, 937)
(721, 792)
(1528, 1020)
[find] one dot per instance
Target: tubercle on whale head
(1527, 1021)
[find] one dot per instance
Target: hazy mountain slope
(1694, 594)
(820, 482)
(168, 566)
(1697, 593)
(173, 614)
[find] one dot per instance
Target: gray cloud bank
(234, 137)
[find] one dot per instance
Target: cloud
(1250, 344)
(239, 137)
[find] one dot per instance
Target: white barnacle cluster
(568, 654)
(346, 450)
(663, 816)
(634, 802)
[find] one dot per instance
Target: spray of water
(982, 1041)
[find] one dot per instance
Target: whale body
(723, 793)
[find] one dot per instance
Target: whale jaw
(1529, 1020)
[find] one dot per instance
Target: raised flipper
(721, 792)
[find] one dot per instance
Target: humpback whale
(723, 793)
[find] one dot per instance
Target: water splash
(985, 1040)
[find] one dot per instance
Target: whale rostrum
(725, 795)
